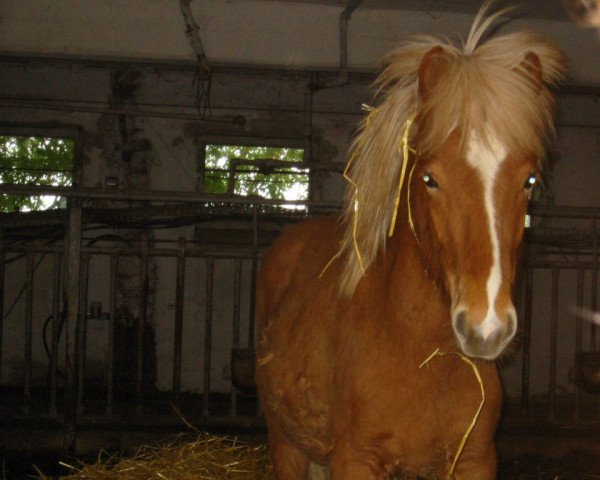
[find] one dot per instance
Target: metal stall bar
(178, 335)
(594, 296)
(110, 351)
(2, 260)
(578, 339)
(28, 334)
(210, 272)
(594, 300)
(170, 196)
(526, 359)
(253, 277)
(73, 315)
(55, 325)
(553, 346)
(82, 328)
(235, 339)
(142, 324)
(221, 251)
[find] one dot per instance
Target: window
(35, 161)
(270, 172)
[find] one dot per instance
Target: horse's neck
(417, 288)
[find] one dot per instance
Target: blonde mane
(486, 88)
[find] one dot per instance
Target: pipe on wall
(344, 21)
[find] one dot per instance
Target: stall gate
(172, 339)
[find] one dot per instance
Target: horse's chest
(372, 391)
(413, 419)
(296, 393)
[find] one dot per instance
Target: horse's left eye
(429, 181)
(530, 182)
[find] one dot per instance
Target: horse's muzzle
(485, 339)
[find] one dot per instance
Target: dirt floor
(574, 466)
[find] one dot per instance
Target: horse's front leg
(348, 464)
(289, 462)
(475, 463)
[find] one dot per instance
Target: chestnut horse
(348, 313)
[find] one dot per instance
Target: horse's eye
(530, 182)
(429, 181)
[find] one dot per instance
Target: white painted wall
(256, 32)
(246, 32)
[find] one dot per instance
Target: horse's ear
(432, 66)
(531, 69)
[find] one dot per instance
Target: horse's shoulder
(314, 234)
(305, 230)
(297, 257)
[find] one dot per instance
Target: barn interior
(151, 150)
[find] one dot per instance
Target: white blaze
(486, 158)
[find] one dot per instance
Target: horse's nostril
(461, 326)
(511, 324)
(484, 340)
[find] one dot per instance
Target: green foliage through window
(259, 170)
(35, 161)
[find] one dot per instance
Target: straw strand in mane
(492, 92)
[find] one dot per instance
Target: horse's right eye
(530, 182)
(430, 182)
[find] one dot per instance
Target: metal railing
(557, 301)
(551, 252)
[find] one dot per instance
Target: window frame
(251, 142)
(67, 132)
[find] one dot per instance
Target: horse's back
(341, 376)
(295, 341)
(295, 261)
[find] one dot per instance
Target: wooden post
(72, 320)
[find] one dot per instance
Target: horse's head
(472, 190)
(477, 117)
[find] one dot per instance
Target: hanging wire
(203, 83)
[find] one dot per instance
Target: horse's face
(475, 196)
(476, 199)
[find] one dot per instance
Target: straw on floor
(205, 457)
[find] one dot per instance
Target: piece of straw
(410, 218)
(372, 112)
(206, 457)
(355, 211)
(406, 149)
(438, 353)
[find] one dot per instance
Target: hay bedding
(207, 457)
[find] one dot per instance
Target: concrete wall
(68, 91)
(256, 32)
(273, 106)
